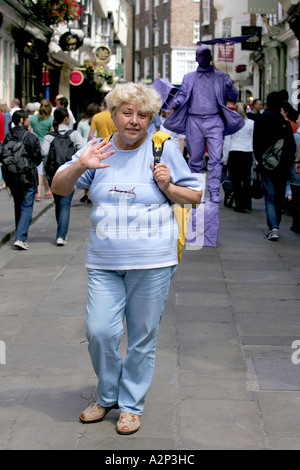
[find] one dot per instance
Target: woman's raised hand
(94, 154)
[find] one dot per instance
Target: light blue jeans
(139, 295)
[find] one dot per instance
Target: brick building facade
(165, 33)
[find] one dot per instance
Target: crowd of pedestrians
(245, 152)
(242, 154)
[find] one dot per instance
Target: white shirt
(241, 141)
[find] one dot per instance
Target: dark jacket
(267, 130)
(32, 145)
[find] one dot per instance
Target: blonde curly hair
(144, 96)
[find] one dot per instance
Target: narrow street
(226, 374)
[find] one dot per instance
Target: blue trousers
(62, 214)
(23, 202)
(209, 130)
(139, 295)
(274, 190)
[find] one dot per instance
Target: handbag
(271, 157)
(257, 191)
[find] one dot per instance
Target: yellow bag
(181, 214)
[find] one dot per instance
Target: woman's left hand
(161, 175)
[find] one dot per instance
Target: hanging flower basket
(101, 73)
(52, 12)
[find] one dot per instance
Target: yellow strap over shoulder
(181, 214)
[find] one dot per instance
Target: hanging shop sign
(102, 54)
(262, 6)
(225, 52)
(76, 78)
(254, 42)
(70, 42)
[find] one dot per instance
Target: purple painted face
(203, 56)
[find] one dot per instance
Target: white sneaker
(273, 234)
(61, 242)
(22, 245)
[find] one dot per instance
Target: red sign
(76, 78)
(225, 53)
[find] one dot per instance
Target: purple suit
(200, 112)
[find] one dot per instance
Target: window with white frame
(165, 66)
(7, 64)
(183, 62)
(156, 3)
(156, 66)
(196, 31)
(104, 27)
(137, 71)
(156, 37)
(137, 39)
(147, 5)
(226, 27)
(166, 32)
(147, 67)
(147, 36)
(206, 12)
(137, 7)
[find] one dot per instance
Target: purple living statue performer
(200, 112)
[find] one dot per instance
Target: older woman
(132, 251)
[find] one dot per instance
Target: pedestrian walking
(57, 148)
(7, 117)
(256, 108)
(23, 185)
(129, 269)
(62, 102)
(272, 129)
(294, 181)
(238, 149)
(42, 123)
(84, 127)
(102, 123)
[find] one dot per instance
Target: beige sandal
(128, 423)
(95, 413)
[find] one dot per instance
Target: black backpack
(16, 167)
(61, 151)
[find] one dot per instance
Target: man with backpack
(20, 153)
(58, 147)
(274, 149)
